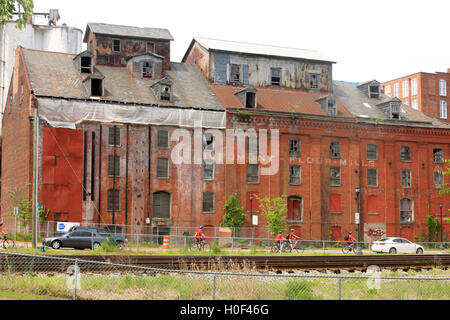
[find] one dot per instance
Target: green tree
(445, 188)
(275, 211)
(25, 207)
(433, 226)
(24, 8)
(234, 216)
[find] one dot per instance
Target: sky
(376, 39)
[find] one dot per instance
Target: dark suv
(77, 240)
(121, 241)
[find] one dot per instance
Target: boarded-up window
(294, 175)
(335, 176)
(438, 155)
(163, 139)
(405, 153)
(147, 70)
(372, 177)
(372, 151)
(335, 150)
(114, 166)
(208, 202)
(275, 76)
(252, 173)
(294, 208)
(372, 206)
(335, 203)
(406, 210)
(113, 201)
(294, 148)
(208, 169)
(406, 178)
(161, 205)
(114, 136)
(162, 168)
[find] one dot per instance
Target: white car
(395, 245)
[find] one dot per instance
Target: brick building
(334, 137)
(427, 92)
(112, 117)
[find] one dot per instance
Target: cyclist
(350, 240)
(279, 239)
(200, 237)
(290, 237)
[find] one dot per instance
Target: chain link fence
(66, 278)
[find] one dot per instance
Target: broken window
(147, 70)
(372, 152)
(335, 150)
(165, 93)
(332, 107)
(406, 178)
(163, 139)
(162, 168)
(372, 177)
(235, 73)
(252, 173)
(208, 202)
(117, 47)
(96, 87)
(113, 200)
(114, 166)
(438, 179)
(438, 155)
(405, 153)
(208, 169)
(395, 110)
(208, 141)
(275, 76)
(114, 136)
(406, 210)
(294, 175)
(314, 80)
(335, 176)
(374, 91)
(86, 65)
(294, 148)
(150, 47)
(250, 100)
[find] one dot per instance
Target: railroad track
(125, 263)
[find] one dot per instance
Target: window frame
(116, 136)
(406, 183)
(115, 165)
(114, 45)
(238, 73)
(212, 205)
(409, 212)
(442, 87)
(405, 154)
(272, 70)
(334, 150)
(144, 70)
(335, 181)
(438, 155)
(252, 176)
(160, 139)
(298, 177)
(437, 174)
(291, 150)
(370, 177)
(443, 109)
(113, 194)
(371, 152)
(158, 168)
(211, 163)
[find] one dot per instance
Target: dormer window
(332, 107)
(395, 110)
(96, 87)
(147, 70)
(165, 93)
(86, 65)
(374, 91)
(250, 100)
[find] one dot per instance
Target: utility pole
(35, 213)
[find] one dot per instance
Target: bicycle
(7, 243)
(348, 248)
(202, 247)
(298, 249)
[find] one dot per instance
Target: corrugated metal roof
(127, 31)
(261, 49)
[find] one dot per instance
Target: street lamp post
(358, 222)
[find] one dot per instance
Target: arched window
(161, 205)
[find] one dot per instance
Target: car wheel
(56, 244)
(392, 251)
(419, 251)
(96, 246)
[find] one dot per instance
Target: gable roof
(127, 31)
(259, 49)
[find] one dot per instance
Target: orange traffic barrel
(166, 243)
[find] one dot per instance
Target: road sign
(16, 211)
